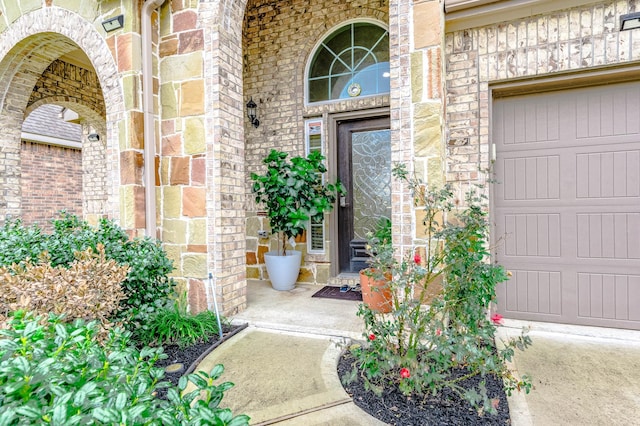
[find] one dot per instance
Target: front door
(364, 167)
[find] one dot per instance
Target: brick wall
(537, 46)
(62, 78)
(279, 38)
(51, 181)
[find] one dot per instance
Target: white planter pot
(283, 270)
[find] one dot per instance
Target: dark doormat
(333, 292)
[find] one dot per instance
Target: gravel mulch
(445, 408)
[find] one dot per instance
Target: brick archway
(27, 47)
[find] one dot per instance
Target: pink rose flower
(496, 319)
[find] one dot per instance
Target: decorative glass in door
(371, 162)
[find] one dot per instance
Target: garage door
(566, 205)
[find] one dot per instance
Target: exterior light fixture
(93, 137)
(630, 21)
(113, 23)
(251, 113)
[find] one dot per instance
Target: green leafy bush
(173, 325)
(53, 372)
(415, 347)
(147, 286)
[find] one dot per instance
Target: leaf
(79, 398)
(28, 411)
(136, 411)
(105, 415)
(59, 414)
(121, 400)
(61, 331)
(241, 420)
(7, 416)
(216, 371)
(197, 380)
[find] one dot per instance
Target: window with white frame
(314, 139)
(352, 61)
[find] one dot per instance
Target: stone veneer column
(416, 40)
(201, 174)
(428, 108)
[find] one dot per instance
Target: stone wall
(51, 181)
(423, 147)
(279, 38)
(532, 47)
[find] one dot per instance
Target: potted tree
(293, 193)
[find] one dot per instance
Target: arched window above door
(352, 61)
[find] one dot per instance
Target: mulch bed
(191, 356)
(445, 408)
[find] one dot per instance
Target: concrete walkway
(581, 376)
(284, 366)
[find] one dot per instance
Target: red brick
(180, 172)
(198, 172)
(197, 296)
(191, 41)
(194, 202)
(184, 21)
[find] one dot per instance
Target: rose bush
(423, 348)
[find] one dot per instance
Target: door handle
(343, 201)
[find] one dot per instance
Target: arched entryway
(294, 52)
(36, 49)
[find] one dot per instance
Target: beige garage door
(566, 205)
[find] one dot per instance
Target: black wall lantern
(630, 21)
(251, 113)
(113, 23)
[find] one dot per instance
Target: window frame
(318, 45)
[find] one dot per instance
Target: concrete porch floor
(297, 311)
(581, 375)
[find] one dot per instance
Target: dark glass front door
(364, 167)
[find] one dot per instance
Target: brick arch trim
(81, 32)
(27, 46)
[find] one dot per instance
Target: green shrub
(147, 286)
(53, 372)
(89, 289)
(415, 348)
(175, 326)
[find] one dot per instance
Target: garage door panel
(608, 174)
(567, 205)
(608, 235)
(527, 123)
(531, 235)
(608, 296)
(531, 178)
(610, 112)
(533, 291)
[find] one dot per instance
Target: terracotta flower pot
(376, 294)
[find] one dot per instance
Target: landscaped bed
(85, 313)
(443, 408)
